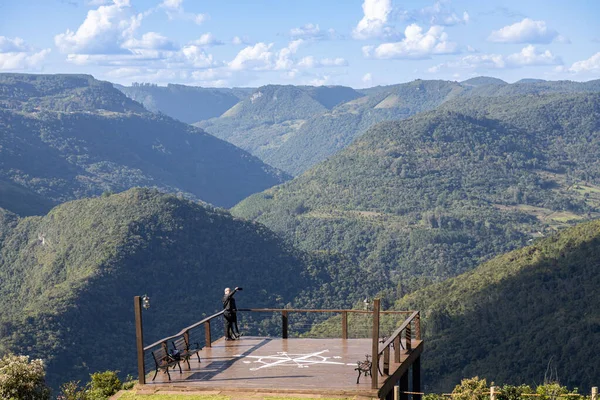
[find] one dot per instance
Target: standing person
(230, 313)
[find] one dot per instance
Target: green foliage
(471, 389)
(62, 151)
(103, 385)
(511, 392)
(434, 195)
(22, 378)
(508, 317)
(67, 279)
(72, 391)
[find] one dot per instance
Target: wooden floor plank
(272, 364)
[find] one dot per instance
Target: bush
(471, 389)
(22, 379)
(72, 391)
(103, 385)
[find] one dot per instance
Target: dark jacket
(229, 303)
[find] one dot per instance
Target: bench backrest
(160, 355)
(180, 344)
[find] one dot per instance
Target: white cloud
(312, 62)
(8, 45)
(440, 14)
(527, 57)
(284, 57)
(592, 64)
(312, 32)
(240, 40)
(367, 78)
(197, 57)
(320, 81)
(415, 44)
(102, 32)
(373, 23)
(15, 55)
(22, 60)
(258, 56)
(150, 41)
(526, 31)
(207, 39)
(175, 11)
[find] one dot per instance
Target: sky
(358, 43)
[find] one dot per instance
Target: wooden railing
(285, 313)
(406, 330)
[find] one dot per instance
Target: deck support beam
(375, 346)
(416, 378)
(139, 339)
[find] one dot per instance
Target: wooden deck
(260, 364)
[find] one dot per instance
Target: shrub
(22, 379)
(471, 389)
(103, 385)
(72, 391)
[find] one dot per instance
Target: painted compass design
(283, 358)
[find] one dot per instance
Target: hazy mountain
(188, 104)
(66, 137)
(435, 194)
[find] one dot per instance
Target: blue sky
(254, 42)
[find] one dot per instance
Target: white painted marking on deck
(283, 358)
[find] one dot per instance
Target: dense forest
(66, 137)
(286, 126)
(521, 317)
(434, 195)
(67, 279)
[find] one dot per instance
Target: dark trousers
(229, 321)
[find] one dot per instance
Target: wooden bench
(163, 361)
(185, 350)
(363, 367)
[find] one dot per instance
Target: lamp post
(138, 303)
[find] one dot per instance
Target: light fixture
(366, 303)
(146, 302)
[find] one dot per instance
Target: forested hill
(517, 315)
(67, 279)
(432, 196)
(270, 116)
(188, 104)
(71, 136)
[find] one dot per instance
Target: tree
(22, 379)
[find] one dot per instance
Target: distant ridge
(71, 136)
(484, 80)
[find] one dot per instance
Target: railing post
(492, 392)
(418, 326)
(595, 393)
(344, 325)
(139, 338)
(207, 338)
(397, 346)
(408, 336)
(284, 324)
(375, 346)
(386, 361)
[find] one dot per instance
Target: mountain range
(296, 127)
(71, 136)
(431, 196)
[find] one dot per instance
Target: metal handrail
(184, 330)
